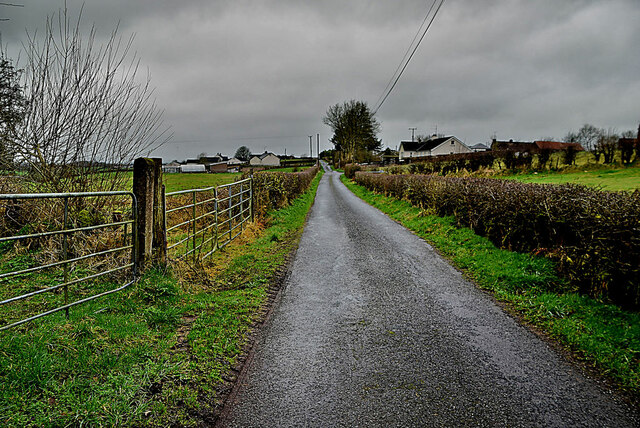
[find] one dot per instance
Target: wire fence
(199, 222)
(59, 250)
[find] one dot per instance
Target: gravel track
(374, 328)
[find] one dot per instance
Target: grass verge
(159, 354)
(603, 336)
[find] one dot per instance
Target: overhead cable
(406, 63)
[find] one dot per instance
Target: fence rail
(64, 214)
(199, 222)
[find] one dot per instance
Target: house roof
(479, 146)
(555, 145)
(235, 161)
(265, 154)
(424, 146)
(518, 146)
(410, 146)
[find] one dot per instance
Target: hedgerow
(350, 169)
(274, 190)
(593, 235)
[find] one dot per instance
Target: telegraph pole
(318, 143)
(310, 146)
(413, 130)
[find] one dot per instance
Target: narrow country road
(373, 328)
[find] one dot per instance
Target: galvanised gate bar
(61, 215)
(200, 221)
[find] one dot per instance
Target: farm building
(192, 167)
(555, 145)
(532, 147)
(265, 159)
(434, 146)
(218, 167)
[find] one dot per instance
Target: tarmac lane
(374, 329)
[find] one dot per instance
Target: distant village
(220, 163)
(438, 145)
(419, 149)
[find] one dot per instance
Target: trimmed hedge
(274, 190)
(350, 169)
(593, 235)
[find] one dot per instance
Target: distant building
(192, 168)
(556, 145)
(235, 162)
(171, 168)
(514, 146)
(480, 147)
(218, 166)
(532, 147)
(265, 159)
(434, 146)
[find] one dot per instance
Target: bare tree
(89, 111)
(606, 145)
(588, 136)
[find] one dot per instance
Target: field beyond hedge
(612, 179)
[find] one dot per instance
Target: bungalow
(434, 146)
(171, 168)
(265, 159)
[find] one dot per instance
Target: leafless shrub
(89, 114)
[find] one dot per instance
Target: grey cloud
(263, 73)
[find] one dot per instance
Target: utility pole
(413, 130)
(310, 146)
(318, 143)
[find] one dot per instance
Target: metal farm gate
(58, 250)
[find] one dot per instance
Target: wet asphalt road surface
(373, 328)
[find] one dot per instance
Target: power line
(411, 56)
(407, 51)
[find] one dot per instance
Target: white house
(434, 146)
(171, 168)
(265, 159)
(235, 162)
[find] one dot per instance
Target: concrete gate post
(147, 184)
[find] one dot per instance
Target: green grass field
(614, 178)
(175, 182)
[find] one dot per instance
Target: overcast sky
(263, 73)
